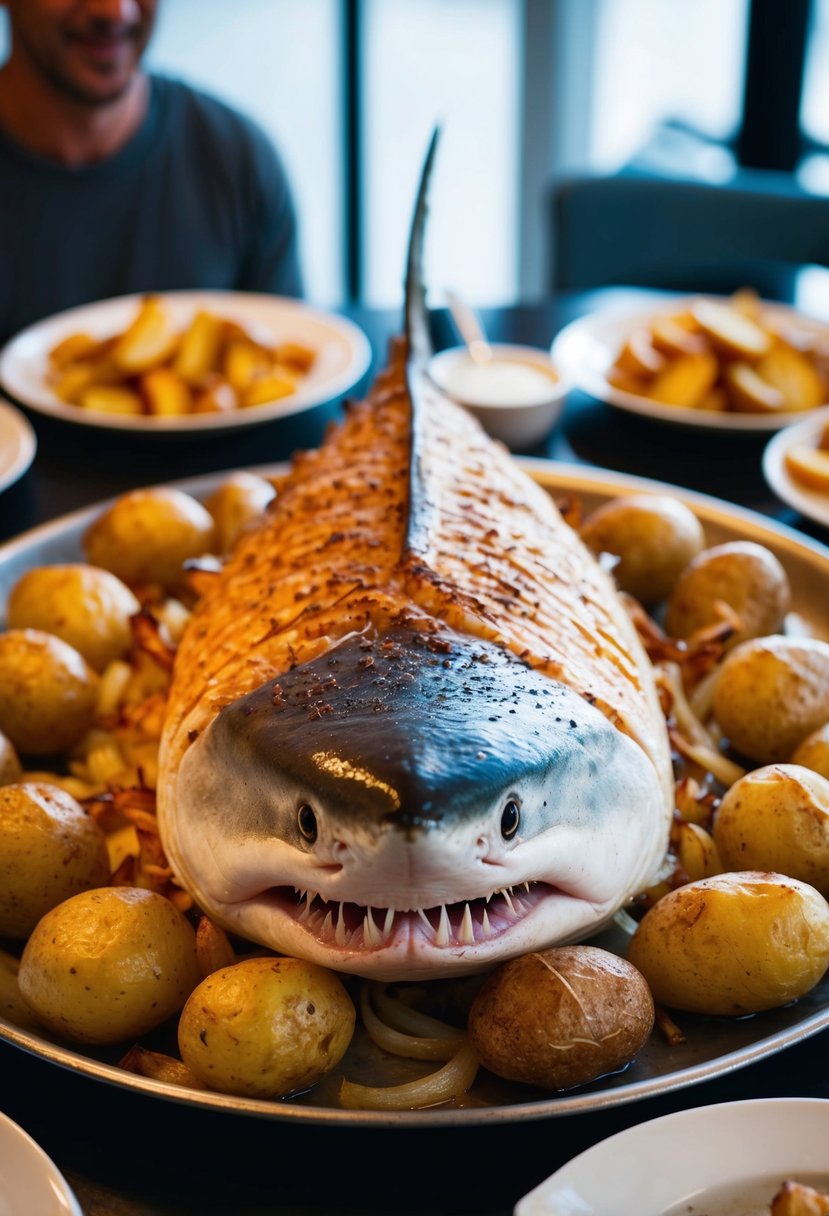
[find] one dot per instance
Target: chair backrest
(665, 233)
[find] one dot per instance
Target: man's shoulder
(194, 113)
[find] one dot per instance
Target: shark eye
(510, 819)
(307, 823)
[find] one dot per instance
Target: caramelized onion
(415, 1047)
(402, 1017)
(448, 1082)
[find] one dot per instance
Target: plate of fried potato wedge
(736, 363)
(184, 361)
(796, 466)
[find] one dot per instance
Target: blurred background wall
(528, 92)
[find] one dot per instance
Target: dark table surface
(127, 1153)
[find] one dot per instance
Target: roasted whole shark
(412, 731)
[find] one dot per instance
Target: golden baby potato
(84, 605)
(12, 1006)
(10, 767)
(813, 751)
(266, 1027)
(561, 1017)
(777, 818)
(654, 537)
(48, 692)
(240, 498)
(109, 965)
(147, 535)
(733, 944)
(744, 575)
(50, 849)
(771, 693)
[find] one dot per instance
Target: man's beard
(63, 81)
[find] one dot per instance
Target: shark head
(413, 806)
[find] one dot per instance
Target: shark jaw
(384, 943)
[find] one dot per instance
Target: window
(279, 62)
(426, 61)
(657, 62)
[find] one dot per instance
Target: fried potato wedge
(686, 381)
(147, 341)
(794, 376)
(808, 466)
(732, 332)
(165, 392)
(111, 399)
(201, 344)
(750, 393)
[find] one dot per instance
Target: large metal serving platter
(713, 1046)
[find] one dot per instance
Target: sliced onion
(670, 675)
(410, 1021)
(416, 1047)
(158, 1067)
(451, 1081)
(725, 770)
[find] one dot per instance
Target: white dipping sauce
(501, 382)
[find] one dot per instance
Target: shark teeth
(349, 926)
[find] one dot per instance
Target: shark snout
(407, 862)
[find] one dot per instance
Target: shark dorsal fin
(416, 317)
(418, 350)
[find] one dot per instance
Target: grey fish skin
(447, 793)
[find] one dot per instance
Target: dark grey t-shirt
(197, 199)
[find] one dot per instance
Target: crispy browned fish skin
(479, 549)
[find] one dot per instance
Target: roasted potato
(777, 818)
(48, 692)
(109, 965)
(771, 692)
(12, 1006)
(84, 605)
(50, 849)
(10, 767)
(745, 576)
(240, 498)
(147, 535)
(266, 1027)
(813, 751)
(561, 1017)
(654, 537)
(733, 944)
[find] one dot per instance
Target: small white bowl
(517, 396)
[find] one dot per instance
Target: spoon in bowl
(470, 329)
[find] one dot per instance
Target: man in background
(115, 181)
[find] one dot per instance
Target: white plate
(30, 1182)
(810, 503)
(724, 1160)
(17, 446)
(586, 348)
(713, 1047)
(343, 354)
